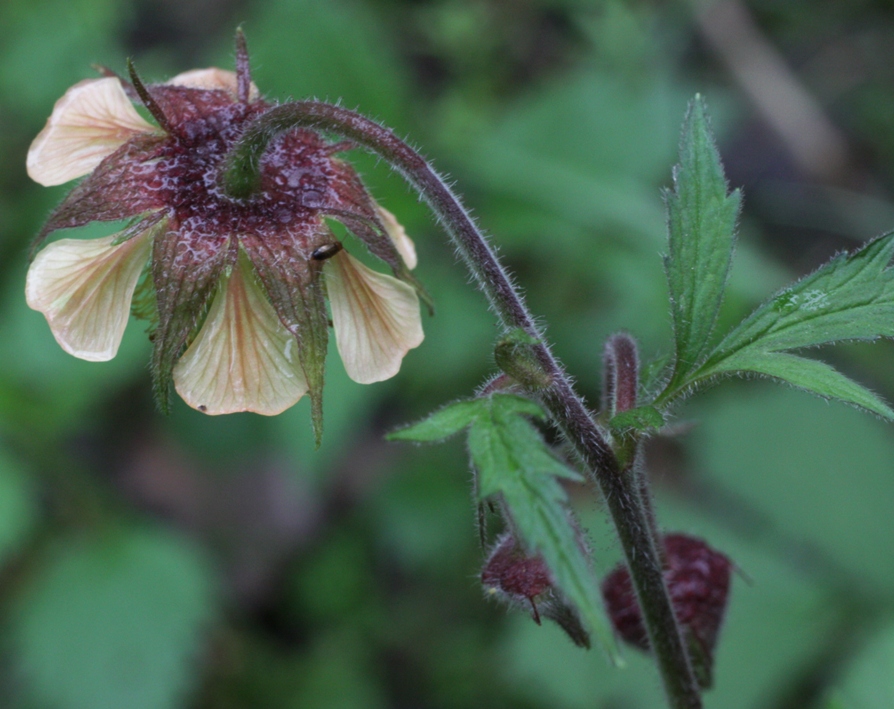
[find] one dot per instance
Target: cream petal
(90, 122)
(398, 235)
(243, 358)
(84, 288)
(376, 318)
(212, 78)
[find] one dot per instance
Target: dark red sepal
(521, 579)
(121, 187)
(293, 281)
(510, 571)
(186, 270)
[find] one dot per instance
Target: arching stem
(241, 180)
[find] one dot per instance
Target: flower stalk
(616, 481)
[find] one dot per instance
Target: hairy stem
(619, 486)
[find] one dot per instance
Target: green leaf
(113, 622)
(441, 424)
(453, 418)
(811, 375)
(642, 418)
(701, 228)
(850, 298)
(513, 461)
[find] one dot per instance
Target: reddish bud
(519, 579)
(698, 579)
(512, 573)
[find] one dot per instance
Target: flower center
(297, 171)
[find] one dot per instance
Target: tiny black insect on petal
(326, 251)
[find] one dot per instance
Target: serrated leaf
(441, 424)
(113, 622)
(454, 417)
(817, 377)
(513, 461)
(701, 228)
(850, 298)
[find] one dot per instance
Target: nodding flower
(235, 288)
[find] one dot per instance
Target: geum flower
(236, 287)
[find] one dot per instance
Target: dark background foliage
(189, 561)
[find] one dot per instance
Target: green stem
(241, 180)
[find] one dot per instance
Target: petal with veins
(376, 318)
(84, 288)
(212, 78)
(243, 358)
(398, 235)
(90, 122)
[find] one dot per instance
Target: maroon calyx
(698, 580)
(511, 572)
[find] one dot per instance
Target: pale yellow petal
(376, 318)
(398, 235)
(90, 122)
(84, 288)
(243, 358)
(212, 78)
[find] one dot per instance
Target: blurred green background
(151, 562)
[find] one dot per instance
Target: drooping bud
(513, 354)
(698, 579)
(520, 579)
(620, 374)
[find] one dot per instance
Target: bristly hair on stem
(241, 179)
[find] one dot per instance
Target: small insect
(326, 251)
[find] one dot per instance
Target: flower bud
(698, 579)
(520, 579)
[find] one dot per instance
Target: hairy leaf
(850, 298)
(513, 461)
(454, 417)
(701, 229)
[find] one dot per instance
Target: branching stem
(618, 486)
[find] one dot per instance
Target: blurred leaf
(800, 469)
(17, 508)
(44, 52)
(113, 622)
(344, 54)
(868, 682)
(701, 228)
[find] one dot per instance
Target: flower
(236, 287)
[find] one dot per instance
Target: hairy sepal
(185, 278)
(114, 191)
(296, 289)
